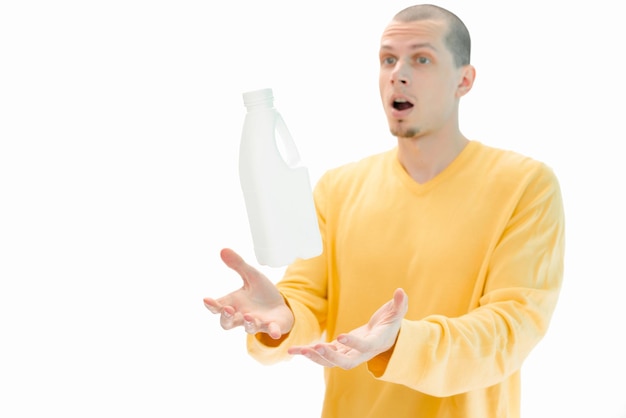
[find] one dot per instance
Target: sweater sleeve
(444, 356)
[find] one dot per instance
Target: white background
(119, 131)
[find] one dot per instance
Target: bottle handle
(286, 146)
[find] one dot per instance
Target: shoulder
(508, 165)
(525, 180)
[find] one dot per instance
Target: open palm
(257, 306)
(362, 343)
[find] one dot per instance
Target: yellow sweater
(478, 250)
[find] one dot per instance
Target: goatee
(407, 132)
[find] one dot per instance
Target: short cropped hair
(457, 39)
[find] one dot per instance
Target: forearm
(446, 356)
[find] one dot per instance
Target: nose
(400, 74)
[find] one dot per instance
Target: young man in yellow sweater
(443, 257)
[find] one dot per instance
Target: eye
(388, 60)
(423, 60)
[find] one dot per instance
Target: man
(466, 239)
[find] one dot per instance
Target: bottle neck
(267, 104)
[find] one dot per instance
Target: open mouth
(401, 104)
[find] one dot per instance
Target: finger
(355, 343)
(212, 305)
(230, 318)
(253, 325)
(295, 350)
(273, 330)
(344, 359)
(235, 262)
(401, 301)
(311, 354)
(230, 257)
(250, 324)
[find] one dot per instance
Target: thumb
(231, 258)
(235, 262)
(400, 301)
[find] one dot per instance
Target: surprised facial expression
(418, 78)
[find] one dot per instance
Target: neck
(425, 157)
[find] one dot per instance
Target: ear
(467, 75)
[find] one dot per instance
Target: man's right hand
(258, 306)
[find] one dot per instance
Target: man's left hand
(363, 343)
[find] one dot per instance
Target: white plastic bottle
(276, 186)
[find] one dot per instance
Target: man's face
(418, 78)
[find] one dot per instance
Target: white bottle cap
(255, 97)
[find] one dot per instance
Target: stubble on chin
(400, 131)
